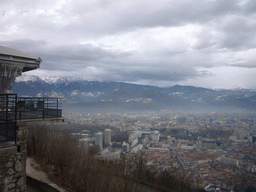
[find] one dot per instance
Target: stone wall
(13, 163)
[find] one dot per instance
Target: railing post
(57, 108)
(15, 118)
(6, 107)
(6, 116)
(47, 107)
(43, 108)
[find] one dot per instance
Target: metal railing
(13, 108)
(38, 108)
(8, 117)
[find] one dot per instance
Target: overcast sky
(208, 43)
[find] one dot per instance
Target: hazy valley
(96, 96)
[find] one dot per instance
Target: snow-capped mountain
(78, 93)
(48, 79)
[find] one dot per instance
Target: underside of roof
(10, 56)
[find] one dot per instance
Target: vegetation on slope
(77, 169)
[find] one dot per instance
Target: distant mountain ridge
(80, 94)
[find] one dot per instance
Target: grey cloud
(171, 73)
(221, 31)
(114, 17)
(81, 20)
(68, 57)
(249, 6)
(236, 33)
(250, 64)
(239, 32)
(24, 44)
(175, 13)
(112, 64)
(205, 39)
(83, 52)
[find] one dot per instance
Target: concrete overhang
(13, 57)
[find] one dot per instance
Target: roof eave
(26, 63)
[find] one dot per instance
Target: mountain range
(78, 94)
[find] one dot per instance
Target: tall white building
(99, 139)
(155, 135)
(107, 136)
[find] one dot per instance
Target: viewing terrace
(14, 109)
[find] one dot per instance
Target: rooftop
(13, 52)
(13, 57)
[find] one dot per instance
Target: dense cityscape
(210, 150)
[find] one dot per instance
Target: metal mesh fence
(8, 117)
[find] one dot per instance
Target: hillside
(79, 94)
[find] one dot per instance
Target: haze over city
(207, 43)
